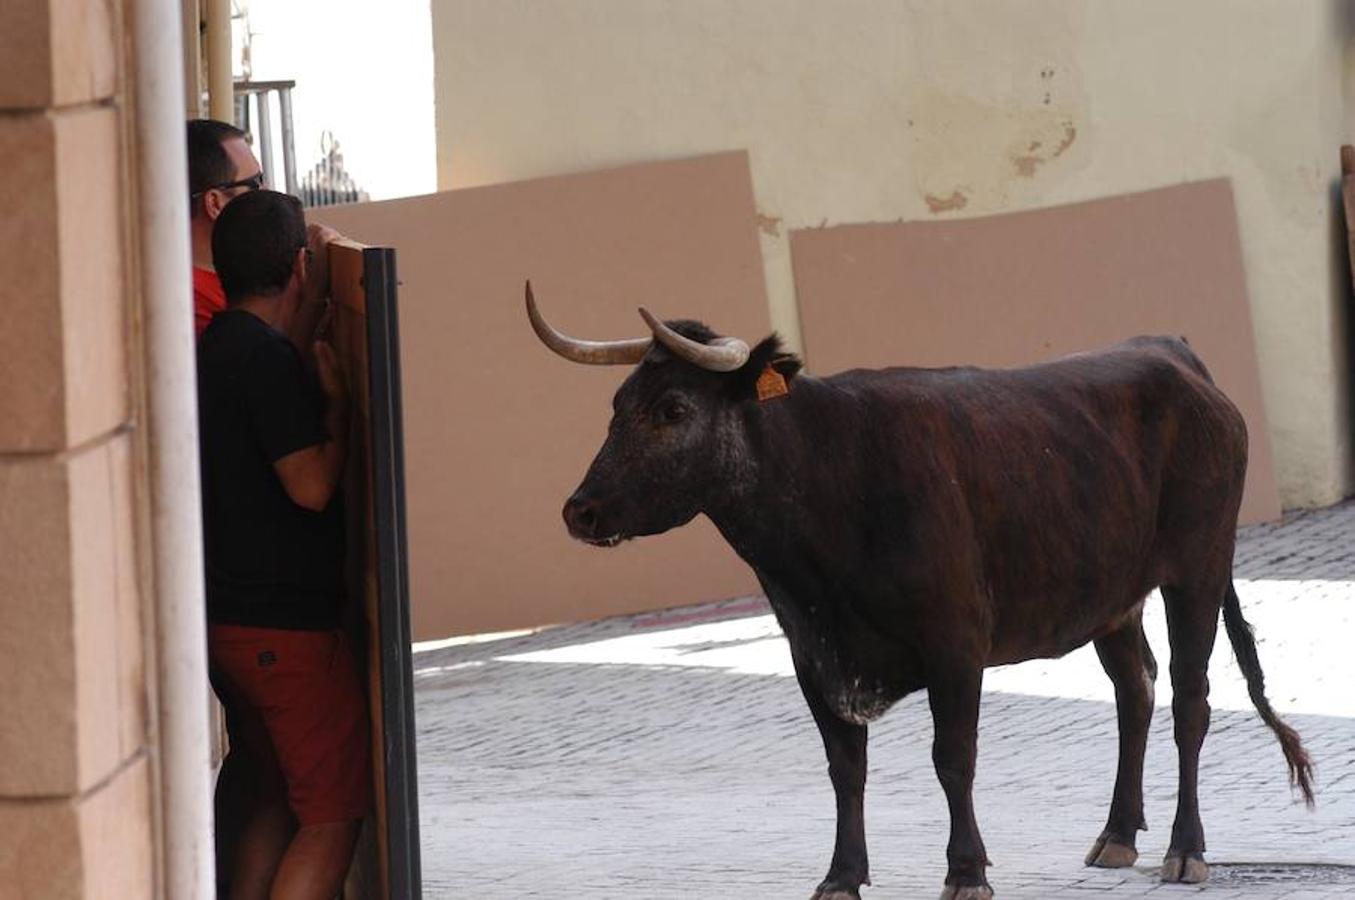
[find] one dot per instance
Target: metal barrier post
(265, 134)
(288, 144)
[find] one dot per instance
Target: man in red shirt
(221, 167)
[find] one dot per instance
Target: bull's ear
(766, 355)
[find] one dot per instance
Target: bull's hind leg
(1128, 660)
(954, 697)
(1192, 624)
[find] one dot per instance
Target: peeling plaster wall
(877, 110)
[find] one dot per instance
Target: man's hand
(314, 293)
(318, 239)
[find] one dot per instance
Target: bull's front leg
(845, 745)
(954, 697)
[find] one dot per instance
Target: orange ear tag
(771, 383)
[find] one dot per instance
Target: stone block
(70, 660)
(32, 397)
(65, 336)
(37, 632)
(132, 693)
(91, 230)
(116, 837)
(37, 850)
(82, 847)
(84, 50)
(57, 53)
(94, 602)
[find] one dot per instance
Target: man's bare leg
(316, 862)
(260, 848)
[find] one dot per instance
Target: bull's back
(1074, 486)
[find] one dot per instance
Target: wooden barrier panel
(1021, 287)
(365, 337)
(499, 429)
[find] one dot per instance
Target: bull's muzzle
(583, 517)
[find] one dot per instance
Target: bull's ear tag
(771, 383)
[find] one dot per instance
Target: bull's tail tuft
(1244, 647)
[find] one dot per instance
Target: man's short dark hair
(254, 243)
(208, 164)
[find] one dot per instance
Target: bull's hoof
(1108, 853)
(1189, 869)
(967, 892)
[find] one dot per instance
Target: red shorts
(301, 708)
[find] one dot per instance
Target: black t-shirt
(270, 562)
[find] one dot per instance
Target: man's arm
(310, 476)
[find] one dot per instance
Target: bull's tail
(1244, 647)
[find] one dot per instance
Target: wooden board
(1018, 288)
(500, 430)
(362, 283)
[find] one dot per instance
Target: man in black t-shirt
(273, 442)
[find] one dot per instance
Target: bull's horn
(721, 355)
(597, 353)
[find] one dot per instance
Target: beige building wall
(878, 110)
(75, 783)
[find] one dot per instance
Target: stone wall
(75, 784)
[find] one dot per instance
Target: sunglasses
(252, 183)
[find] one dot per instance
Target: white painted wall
(363, 71)
(876, 110)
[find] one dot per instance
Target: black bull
(911, 527)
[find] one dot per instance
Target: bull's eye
(672, 410)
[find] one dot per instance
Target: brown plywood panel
(1013, 289)
(498, 430)
(362, 282)
(367, 877)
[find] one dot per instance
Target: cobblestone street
(671, 756)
